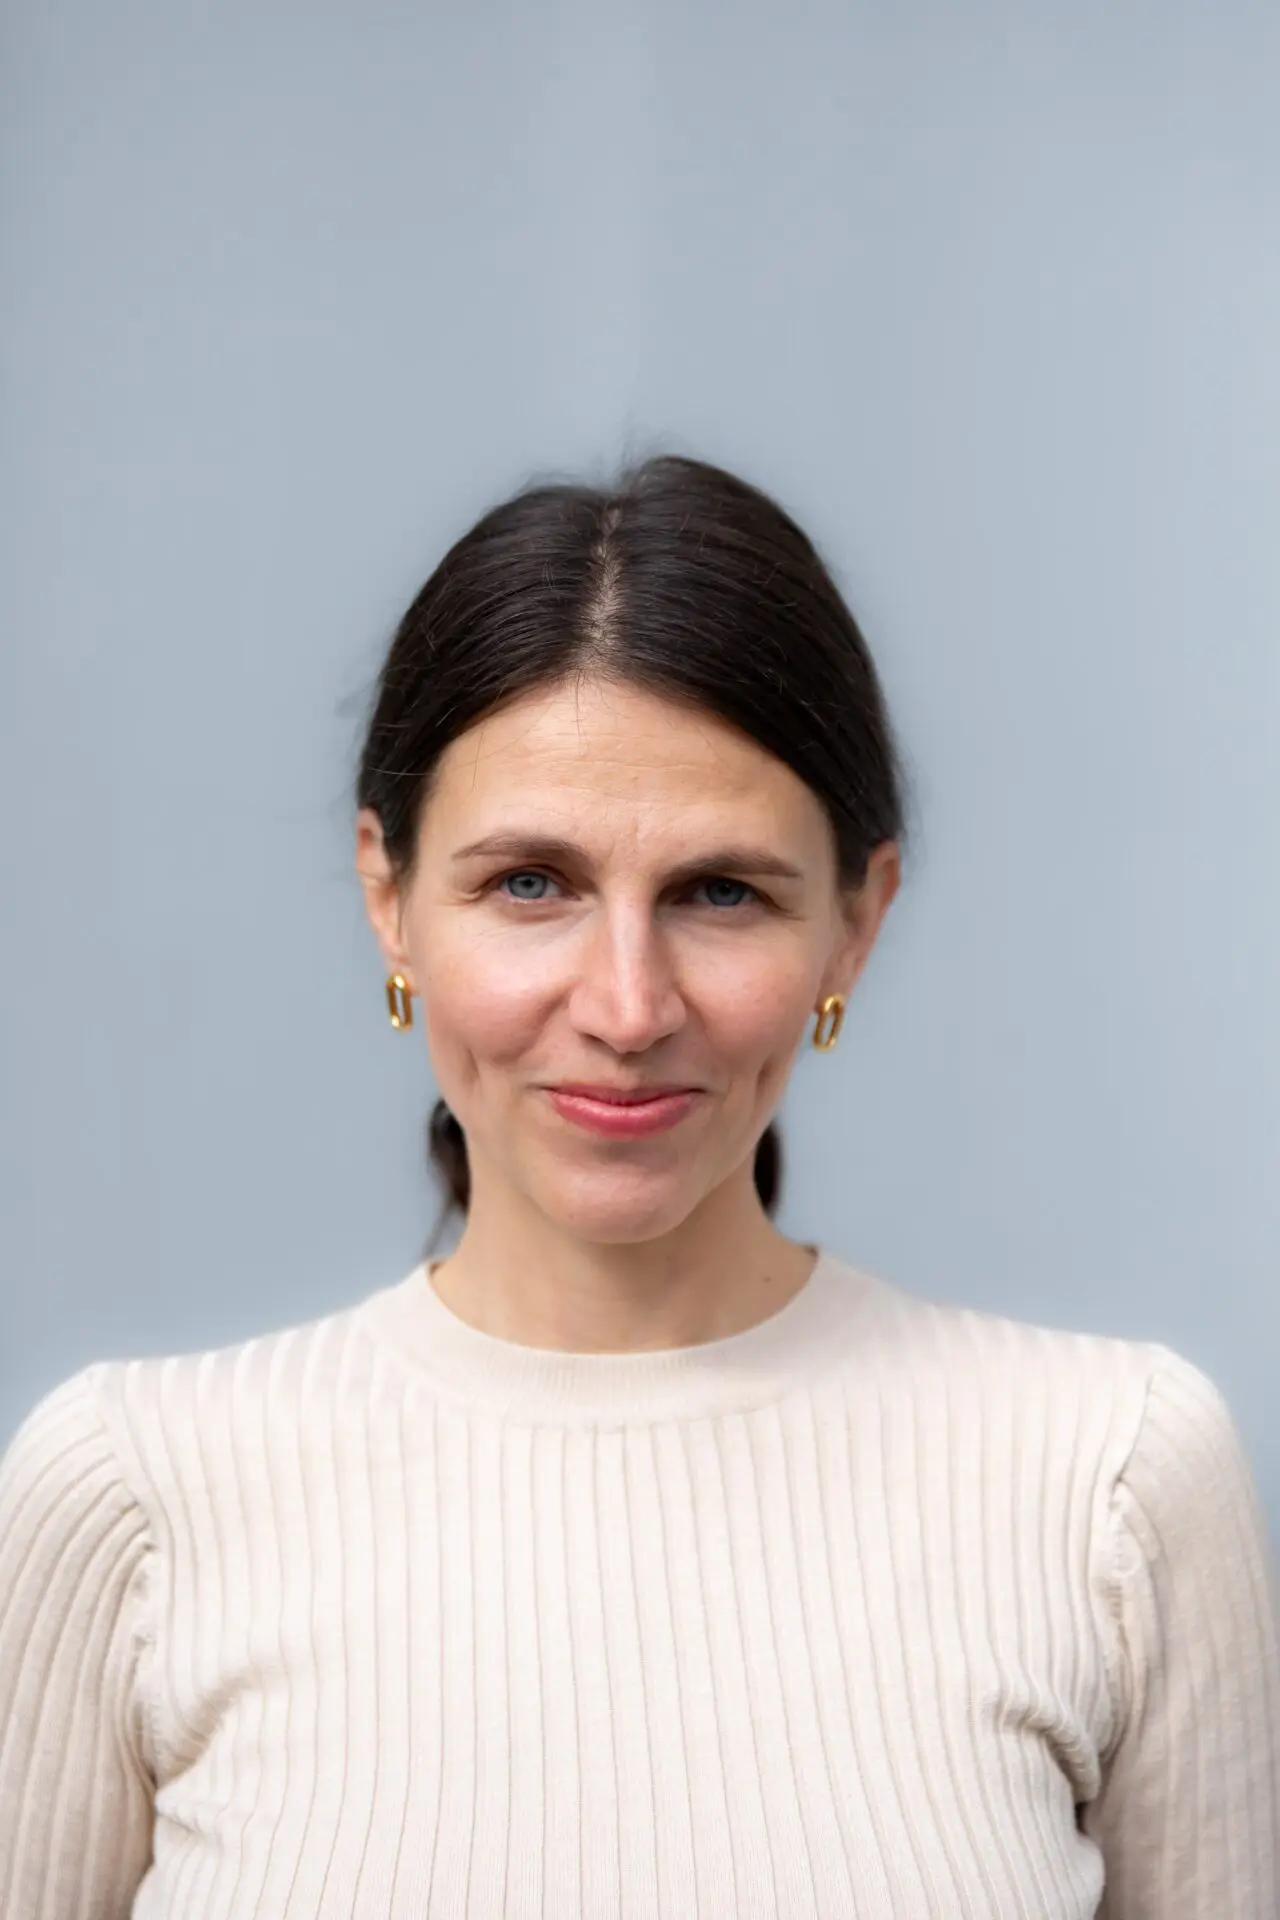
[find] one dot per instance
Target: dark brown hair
(678, 579)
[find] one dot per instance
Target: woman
(634, 1559)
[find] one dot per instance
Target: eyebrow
(514, 844)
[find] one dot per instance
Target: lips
(628, 1118)
(619, 1096)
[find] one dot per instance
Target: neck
(527, 1281)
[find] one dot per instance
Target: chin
(598, 1210)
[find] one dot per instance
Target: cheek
(477, 1002)
(489, 998)
(757, 1013)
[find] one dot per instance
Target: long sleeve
(868, 1609)
(1188, 1819)
(75, 1797)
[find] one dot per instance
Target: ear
(383, 899)
(863, 915)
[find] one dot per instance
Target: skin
(597, 968)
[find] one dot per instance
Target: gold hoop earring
(832, 1010)
(400, 1002)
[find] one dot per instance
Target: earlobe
(381, 891)
(864, 911)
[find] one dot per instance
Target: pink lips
(623, 1119)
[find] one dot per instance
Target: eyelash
(513, 873)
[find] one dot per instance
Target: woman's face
(599, 961)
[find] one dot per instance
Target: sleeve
(1188, 1815)
(75, 1792)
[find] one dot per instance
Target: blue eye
(524, 873)
(721, 880)
(506, 883)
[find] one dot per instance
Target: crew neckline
(549, 1385)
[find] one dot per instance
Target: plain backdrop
(988, 295)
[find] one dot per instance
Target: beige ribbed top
(880, 1607)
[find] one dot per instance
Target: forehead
(622, 776)
(600, 743)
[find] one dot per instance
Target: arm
(75, 1795)
(1188, 1817)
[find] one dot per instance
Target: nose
(626, 992)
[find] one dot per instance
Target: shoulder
(161, 1429)
(1014, 1358)
(67, 1509)
(1135, 1409)
(1129, 1440)
(1186, 1485)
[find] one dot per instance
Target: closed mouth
(618, 1097)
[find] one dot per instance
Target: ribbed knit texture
(879, 1608)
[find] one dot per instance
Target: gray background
(988, 295)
